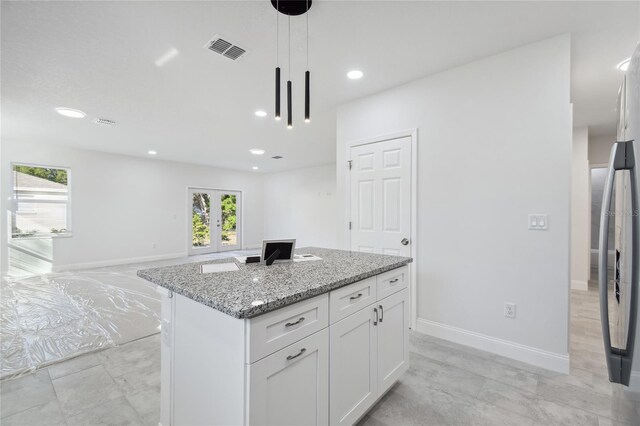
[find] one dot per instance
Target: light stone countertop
(239, 293)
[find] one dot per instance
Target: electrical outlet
(509, 310)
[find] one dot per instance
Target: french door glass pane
(201, 220)
(228, 206)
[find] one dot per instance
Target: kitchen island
(308, 342)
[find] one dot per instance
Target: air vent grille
(234, 52)
(104, 122)
(277, 157)
(225, 48)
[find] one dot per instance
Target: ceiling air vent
(225, 48)
(104, 122)
(277, 157)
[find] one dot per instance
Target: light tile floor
(447, 384)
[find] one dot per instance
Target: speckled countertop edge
(279, 285)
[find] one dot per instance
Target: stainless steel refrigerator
(619, 283)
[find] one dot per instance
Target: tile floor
(447, 384)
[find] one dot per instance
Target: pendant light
(289, 106)
(292, 8)
(307, 117)
(277, 114)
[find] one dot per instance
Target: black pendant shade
(289, 108)
(277, 93)
(306, 97)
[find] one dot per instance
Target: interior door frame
(413, 267)
(240, 229)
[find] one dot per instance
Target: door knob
(404, 242)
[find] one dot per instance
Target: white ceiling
(199, 107)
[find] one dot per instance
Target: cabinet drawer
(273, 331)
(392, 281)
(350, 299)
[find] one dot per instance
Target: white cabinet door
(291, 386)
(353, 366)
(393, 339)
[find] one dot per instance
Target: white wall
(301, 204)
(580, 210)
(494, 144)
(600, 149)
(123, 205)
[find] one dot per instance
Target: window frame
(14, 202)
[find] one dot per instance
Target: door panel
(200, 228)
(291, 386)
(393, 342)
(229, 237)
(381, 197)
(353, 387)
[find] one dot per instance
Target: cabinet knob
(404, 241)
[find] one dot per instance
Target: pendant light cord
(307, 13)
(277, 34)
(289, 47)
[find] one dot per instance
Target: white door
(215, 220)
(380, 175)
(393, 339)
(291, 386)
(353, 367)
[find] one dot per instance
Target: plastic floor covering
(53, 317)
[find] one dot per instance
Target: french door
(215, 223)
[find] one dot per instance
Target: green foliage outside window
(228, 215)
(201, 210)
(54, 175)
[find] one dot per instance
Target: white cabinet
(291, 386)
(353, 367)
(393, 340)
(369, 352)
(323, 360)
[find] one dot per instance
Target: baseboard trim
(530, 355)
(634, 382)
(579, 285)
(114, 262)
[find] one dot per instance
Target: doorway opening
(215, 220)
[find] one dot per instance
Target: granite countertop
(256, 288)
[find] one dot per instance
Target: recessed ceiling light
(261, 113)
(255, 167)
(257, 151)
(152, 152)
(355, 74)
(624, 65)
(69, 112)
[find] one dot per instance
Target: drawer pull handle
(381, 313)
(393, 281)
(356, 297)
(290, 357)
(291, 324)
(375, 322)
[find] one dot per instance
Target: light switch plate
(538, 222)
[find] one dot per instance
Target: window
(41, 201)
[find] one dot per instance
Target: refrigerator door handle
(619, 360)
